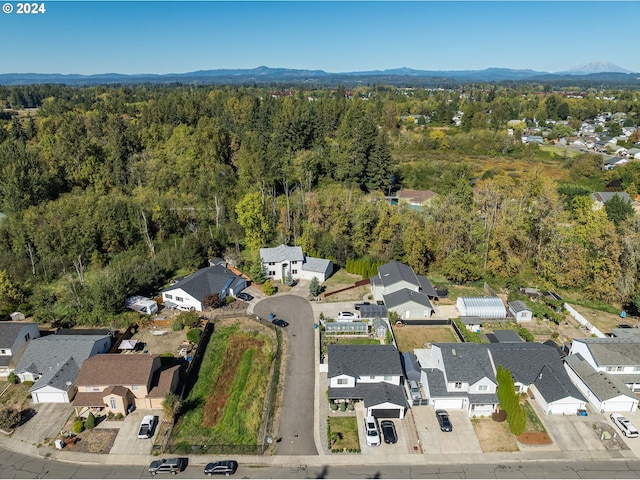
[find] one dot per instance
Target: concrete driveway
(296, 429)
(330, 310)
(461, 440)
(127, 441)
(46, 423)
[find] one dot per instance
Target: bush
(119, 416)
(90, 422)
(334, 407)
(229, 300)
(78, 426)
(9, 418)
(343, 407)
(12, 378)
(194, 335)
(268, 288)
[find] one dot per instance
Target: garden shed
(483, 307)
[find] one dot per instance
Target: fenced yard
(409, 337)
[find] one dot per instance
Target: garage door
(452, 403)
(627, 406)
(385, 412)
(563, 408)
(48, 397)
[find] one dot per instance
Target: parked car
(244, 296)
(357, 306)
(388, 431)
(415, 390)
(146, 426)
(371, 431)
(347, 316)
(443, 420)
(626, 427)
(223, 467)
(167, 465)
(279, 322)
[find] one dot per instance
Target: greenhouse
(354, 328)
(482, 307)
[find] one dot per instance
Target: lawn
(343, 434)
(15, 395)
(342, 279)
(226, 405)
(346, 340)
(494, 436)
(409, 337)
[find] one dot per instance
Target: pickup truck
(146, 426)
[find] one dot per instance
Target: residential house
(190, 292)
(617, 356)
(53, 363)
(416, 199)
(281, 261)
(605, 392)
(613, 162)
(404, 292)
(483, 307)
(117, 383)
(14, 337)
(520, 311)
(600, 198)
(634, 153)
(371, 373)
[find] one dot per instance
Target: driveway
(296, 430)
(46, 423)
(462, 439)
(127, 441)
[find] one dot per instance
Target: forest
(109, 191)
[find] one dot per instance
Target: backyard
(227, 403)
(326, 340)
(343, 279)
(410, 337)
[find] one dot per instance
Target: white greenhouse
(482, 307)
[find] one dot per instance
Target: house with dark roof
(53, 363)
(14, 337)
(617, 356)
(404, 292)
(605, 392)
(116, 382)
(190, 292)
(370, 373)
(283, 260)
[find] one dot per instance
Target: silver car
(626, 427)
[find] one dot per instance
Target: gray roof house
(372, 373)
(53, 363)
(190, 292)
(600, 198)
(14, 337)
(520, 311)
(280, 261)
(605, 392)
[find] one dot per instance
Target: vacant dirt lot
(494, 436)
(170, 341)
(409, 337)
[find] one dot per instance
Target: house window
(457, 385)
(112, 402)
(179, 299)
(343, 381)
(170, 297)
(388, 378)
(27, 337)
(483, 388)
(619, 369)
(372, 377)
(272, 273)
(134, 387)
(94, 389)
(272, 263)
(294, 262)
(3, 352)
(293, 272)
(609, 369)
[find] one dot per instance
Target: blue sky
(89, 37)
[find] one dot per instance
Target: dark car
(359, 305)
(223, 467)
(388, 431)
(167, 465)
(244, 296)
(279, 322)
(443, 420)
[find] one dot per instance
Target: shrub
(90, 422)
(268, 288)
(194, 335)
(119, 416)
(177, 325)
(343, 407)
(9, 418)
(334, 407)
(12, 378)
(351, 407)
(78, 426)
(229, 299)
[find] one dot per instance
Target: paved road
(296, 422)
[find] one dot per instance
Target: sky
(90, 37)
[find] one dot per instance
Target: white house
(53, 363)
(190, 292)
(520, 311)
(283, 260)
(483, 307)
(605, 392)
(14, 337)
(371, 373)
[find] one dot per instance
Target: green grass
(592, 304)
(341, 278)
(533, 422)
(347, 427)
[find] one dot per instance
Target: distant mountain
(594, 67)
(591, 74)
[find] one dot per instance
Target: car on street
(347, 316)
(627, 428)
(279, 322)
(222, 467)
(244, 296)
(443, 420)
(371, 431)
(146, 426)
(167, 465)
(388, 431)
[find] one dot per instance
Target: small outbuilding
(520, 311)
(483, 307)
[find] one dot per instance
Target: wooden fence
(359, 283)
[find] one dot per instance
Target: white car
(371, 431)
(347, 316)
(626, 427)
(146, 426)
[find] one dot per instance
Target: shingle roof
(205, 281)
(601, 384)
(404, 296)
(518, 306)
(9, 331)
(604, 197)
(116, 369)
(60, 376)
(466, 362)
(312, 264)
(553, 386)
(372, 393)
(507, 336)
(411, 367)
(426, 287)
(394, 272)
(281, 253)
(525, 360)
(613, 351)
(363, 360)
(373, 311)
